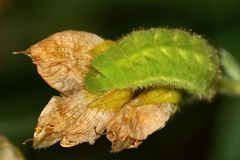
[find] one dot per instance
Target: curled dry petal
(79, 118)
(63, 58)
(141, 117)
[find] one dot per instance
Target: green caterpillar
(157, 57)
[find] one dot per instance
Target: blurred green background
(201, 131)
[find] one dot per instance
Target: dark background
(201, 131)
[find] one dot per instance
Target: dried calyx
(63, 58)
(142, 116)
(78, 116)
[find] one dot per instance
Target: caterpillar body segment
(156, 57)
